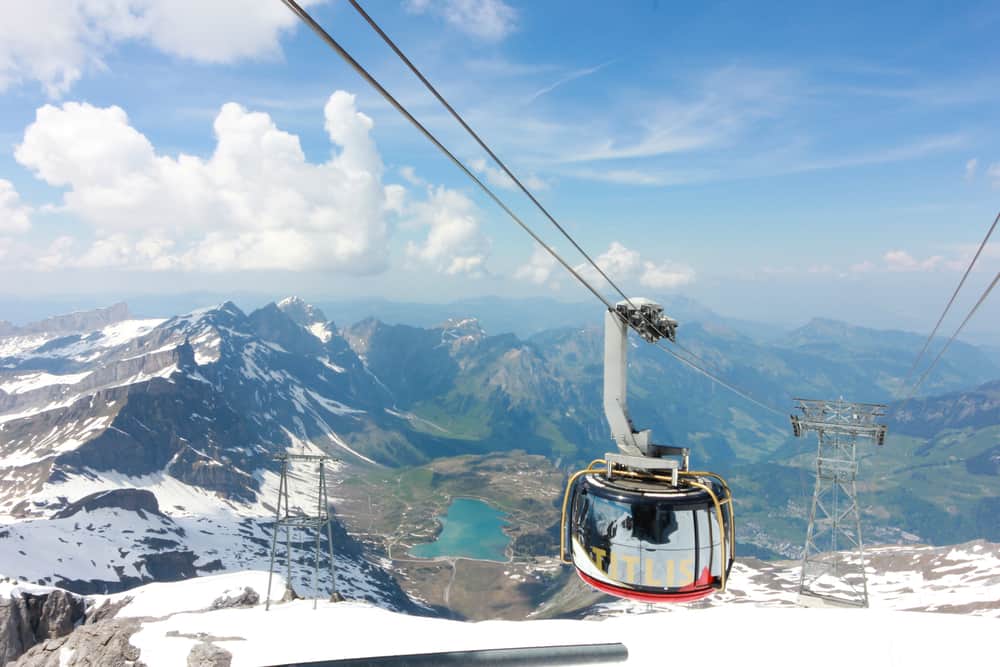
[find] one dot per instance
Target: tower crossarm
(839, 418)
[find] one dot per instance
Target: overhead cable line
(968, 317)
(482, 144)
(357, 67)
(951, 301)
(715, 378)
(368, 77)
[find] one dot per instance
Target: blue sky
(775, 162)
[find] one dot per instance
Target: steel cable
(715, 378)
(370, 79)
(968, 317)
(951, 301)
(357, 67)
(482, 144)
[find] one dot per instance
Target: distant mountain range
(193, 409)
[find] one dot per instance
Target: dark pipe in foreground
(573, 654)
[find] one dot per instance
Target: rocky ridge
(145, 450)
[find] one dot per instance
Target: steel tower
(833, 563)
(289, 517)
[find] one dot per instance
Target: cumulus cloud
(15, 217)
(900, 260)
(617, 261)
(665, 276)
(54, 42)
(538, 269)
(625, 266)
(490, 20)
(455, 244)
(410, 175)
(255, 203)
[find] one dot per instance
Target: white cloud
(866, 266)
(970, 169)
(625, 266)
(665, 276)
(538, 269)
(726, 102)
(993, 173)
(60, 253)
(498, 177)
(644, 177)
(255, 203)
(410, 175)
(54, 42)
(455, 244)
(491, 20)
(572, 76)
(494, 175)
(395, 198)
(15, 217)
(617, 261)
(900, 260)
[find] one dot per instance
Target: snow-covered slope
(745, 635)
(170, 622)
(960, 579)
(145, 450)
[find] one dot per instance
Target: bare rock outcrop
(104, 644)
(248, 597)
(27, 619)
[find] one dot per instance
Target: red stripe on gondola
(689, 595)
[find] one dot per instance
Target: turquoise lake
(472, 529)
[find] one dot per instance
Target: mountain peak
(302, 313)
(461, 330)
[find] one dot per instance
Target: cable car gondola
(634, 532)
(640, 525)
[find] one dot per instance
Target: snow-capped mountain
(194, 408)
(308, 316)
(144, 450)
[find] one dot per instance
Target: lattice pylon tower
(833, 561)
(291, 517)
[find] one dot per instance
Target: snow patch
(319, 330)
(31, 381)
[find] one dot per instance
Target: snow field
(747, 635)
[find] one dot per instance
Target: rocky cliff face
(145, 450)
(27, 618)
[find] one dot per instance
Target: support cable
(482, 144)
(968, 317)
(363, 73)
(357, 67)
(715, 378)
(951, 301)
